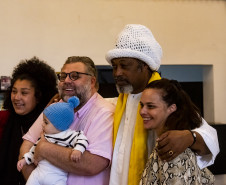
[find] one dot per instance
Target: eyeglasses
(74, 75)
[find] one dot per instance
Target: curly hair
(42, 77)
(187, 115)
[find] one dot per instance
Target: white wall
(190, 32)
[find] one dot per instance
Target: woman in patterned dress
(166, 106)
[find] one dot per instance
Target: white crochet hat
(137, 41)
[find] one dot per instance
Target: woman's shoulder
(4, 115)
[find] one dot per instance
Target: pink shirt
(95, 118)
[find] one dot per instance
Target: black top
(10, 144)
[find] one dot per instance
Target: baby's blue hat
(61, 114)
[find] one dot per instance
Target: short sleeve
(209, 135)
(35, 130)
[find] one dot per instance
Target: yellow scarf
(139, 149)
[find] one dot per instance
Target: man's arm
(90, 164)
(206, 144)
(178, 141)
(27, 169)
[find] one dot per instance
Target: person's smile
(18, 105)
(69, 90)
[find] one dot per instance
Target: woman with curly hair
(33, 84)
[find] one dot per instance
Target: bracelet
(194, 137)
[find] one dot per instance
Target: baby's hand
(76, 155)
(20, 164)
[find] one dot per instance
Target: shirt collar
(85, 107)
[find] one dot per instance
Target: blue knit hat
(61, 114)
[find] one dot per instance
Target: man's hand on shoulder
(54, 99)
(172, 143)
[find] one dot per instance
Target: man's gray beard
(83, 93)
(124, 89)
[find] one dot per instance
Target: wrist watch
(194, 137)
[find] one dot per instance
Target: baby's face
(48, 127)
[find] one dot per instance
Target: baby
(57, 119)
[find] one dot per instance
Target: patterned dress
(183, 170)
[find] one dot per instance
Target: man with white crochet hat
(135, 61)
